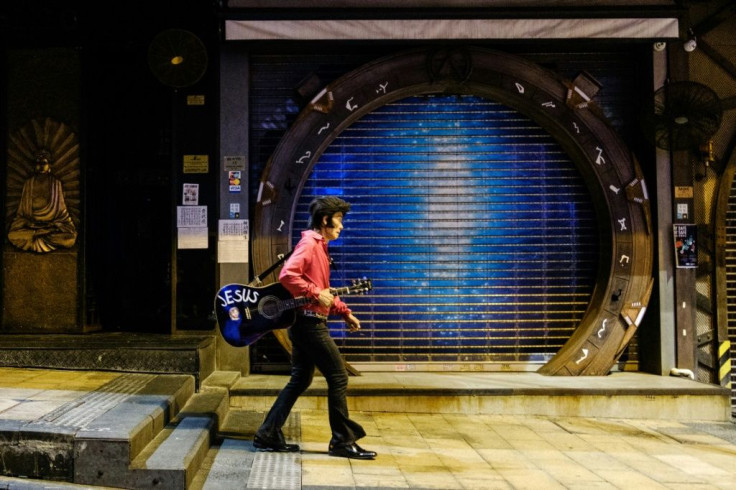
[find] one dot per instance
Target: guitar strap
(257, 279)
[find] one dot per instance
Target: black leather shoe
(350, 451)
(269, 445)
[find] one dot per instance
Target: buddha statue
(42, 222)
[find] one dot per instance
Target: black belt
(313, 314)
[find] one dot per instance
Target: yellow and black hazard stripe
(724, 363)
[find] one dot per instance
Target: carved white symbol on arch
(599, 159)
(583, 357)
(602, 330)
(307, 154)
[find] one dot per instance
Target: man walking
(307, 273)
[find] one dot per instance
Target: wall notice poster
(190, 195)
(191, 216)
(686, 254)
(191, 224)
(232, 245)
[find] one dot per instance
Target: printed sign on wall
(686, 254)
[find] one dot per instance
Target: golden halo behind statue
(23, 147)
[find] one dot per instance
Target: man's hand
(352, 323)
(326, 298)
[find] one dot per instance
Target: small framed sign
(686, 238)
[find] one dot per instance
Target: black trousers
(312, 346)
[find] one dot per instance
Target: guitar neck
(290, 304)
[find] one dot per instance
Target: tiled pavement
(436, 450)
(450, 451)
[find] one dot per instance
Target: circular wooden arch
(624, 280)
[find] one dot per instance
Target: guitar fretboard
(290, 304)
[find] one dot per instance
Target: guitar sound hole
(269, 307)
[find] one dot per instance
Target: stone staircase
(143, 431)
(146, 443)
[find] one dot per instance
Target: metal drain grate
(281, 471)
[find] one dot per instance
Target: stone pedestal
(41, 293)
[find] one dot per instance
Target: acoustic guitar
(246, 313)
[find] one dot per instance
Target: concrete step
(212, 402)
(632, 395)
(227, 466)
(113, 351)
(117, 417)
(222, 379)
(174, 456)
(241, 423)
(104, 448)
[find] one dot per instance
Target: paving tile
(543, 425)
(406, 457)
(430, 476)
(530, 479)
(323, 470)
(596, 461)
(531, 445)
(366, 420)
(579, 425)
(609, 443)
(562, 468)
(380, 481)
(57, 395)
(693, 486)
(650, 445)
(7, 403)
(516, 433)
(567, 442)
(507, 459)
(433, 426)
(405, 444)
(691, 465)
(466, 464)
(723, 457)
(630, 479)
(725, 483)
(31, 409)
(472, 472)
(484, 483)
(383, 465)
(654, 468)
(595, 485)
(397, 424)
